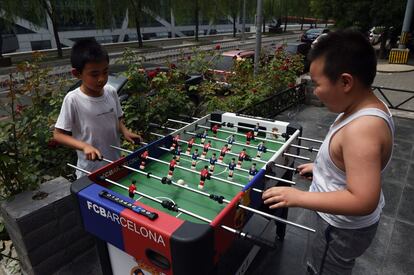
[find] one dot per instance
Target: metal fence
(277, 103)
(397, 99)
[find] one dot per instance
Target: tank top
(327, 177)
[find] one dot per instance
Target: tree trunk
(264, 25)
(139, 35)
(1, 44)
(301, 25)
(57, 39)
(234, 25)
(383, 50)
(196, 20)
(285, 23)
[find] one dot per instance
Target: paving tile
(410, 176)
(402, 150)
(406, 207)
(392, 193)
(399, 259)
(405, 132)
(396, 171)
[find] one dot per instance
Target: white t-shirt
(94, 120)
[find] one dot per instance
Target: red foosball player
(256, 129)
(232, 166)
(175, 141)
(190, 145)
(144, 157)
(173, 163)
(213, 161)
(205, 149)
(215, 129)
(203, 176)
(223, 152)
(249, 136)
(132, 189)
(242, 156)
(194, 158)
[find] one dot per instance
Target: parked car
(310, 35)
(222, 65)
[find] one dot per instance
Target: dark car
(312, 34)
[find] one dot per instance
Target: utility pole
(258, 36)
(244, 21)
(406, 24)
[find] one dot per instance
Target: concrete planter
(48, 234)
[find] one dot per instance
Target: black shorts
(171, 168)
(203, 178)
(205, 150)
(131, 195)
(241, 158)
(222, 154)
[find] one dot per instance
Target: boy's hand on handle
(133, 138)
(277, 197)
(306, 170)
(91, 153)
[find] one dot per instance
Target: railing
(402, 101)
(277, 103)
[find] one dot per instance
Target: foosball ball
(177, 204)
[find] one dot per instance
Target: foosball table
(177, 204)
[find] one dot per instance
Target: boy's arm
(362, 146)
(64, 137)
(128, 135)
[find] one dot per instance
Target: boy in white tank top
(346, 191)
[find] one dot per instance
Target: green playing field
(196, 203)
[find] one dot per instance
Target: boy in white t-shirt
(90, 119)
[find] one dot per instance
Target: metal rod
(310, 149)
(296, 156)
(224, 200)
(238, 134)
(213, 177)
(310, 139)
(237, 143)
(178, 121)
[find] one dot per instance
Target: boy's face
(330, 93)
(94, 76)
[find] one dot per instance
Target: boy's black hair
(346, 51)
(85, 51)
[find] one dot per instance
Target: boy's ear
(75, 72)
(347, 80)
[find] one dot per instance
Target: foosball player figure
(175, 141)
(261, 148)
(173, 163)
(194, 158)
(275, 133)
(132, 189)
(223, 152)
(213, 161)
(249, 136)
(232, 166)
(252, 171)
(144, 157)
(177, 154)
(256, 129)
(215, 129)
(205, 149)
(203, 137)
(231, 139)
(190, 145)
(242, 156)
(203, 176)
